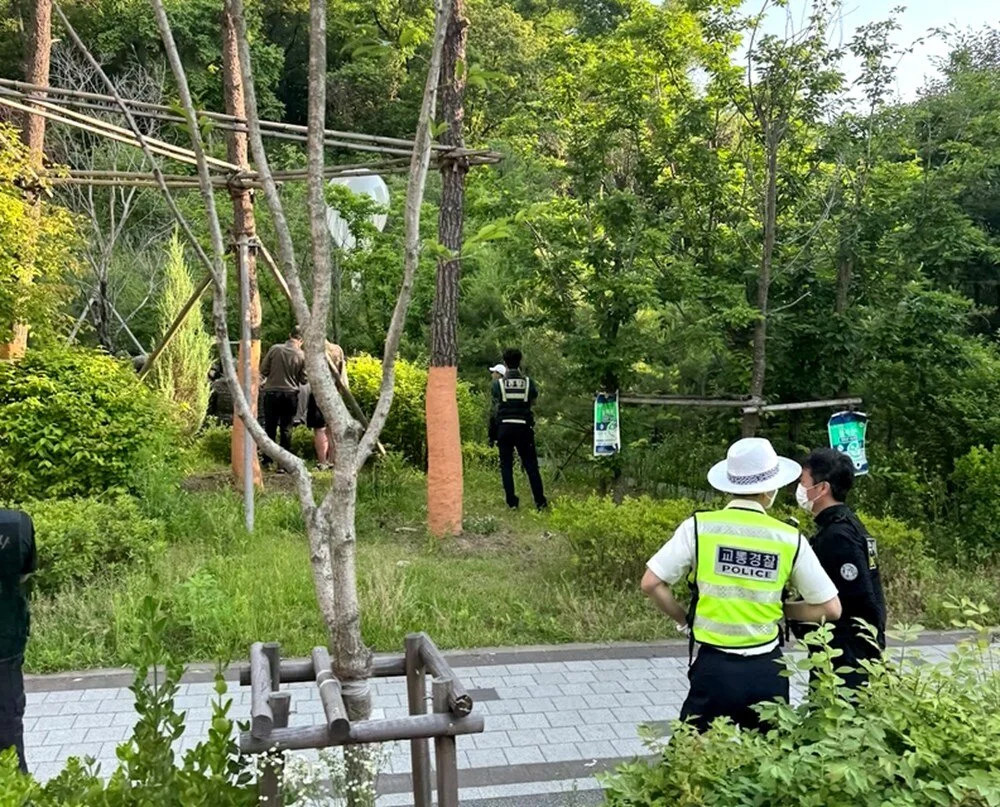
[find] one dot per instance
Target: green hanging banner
(607, 437)
(847, 434)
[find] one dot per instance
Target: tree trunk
(751, 420)
(101, 312)
(243, 224)
(36, 71)
(444, 440)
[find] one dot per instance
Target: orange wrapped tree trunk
(444, 440)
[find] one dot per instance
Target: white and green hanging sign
(847, 432)
(607, 436)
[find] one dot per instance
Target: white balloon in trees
(370, 185)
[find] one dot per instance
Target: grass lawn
(508, 580)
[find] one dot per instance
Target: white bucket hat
(499, 368)
(752, 466)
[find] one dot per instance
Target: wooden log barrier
(330, 695)
(445, 753)
(271, 769)
(459, 699)
(416, 696)
(261, 716)
(297, 671)
(364, 731)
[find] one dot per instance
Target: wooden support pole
(296, 671)
(273, 652)
(793, 407)
(330, 695)
(445, 753)
(261, 717)
(175, 325)
(272, 767)
(459, 699)
(364, 731)
(416, 696)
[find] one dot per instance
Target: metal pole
(242, 251)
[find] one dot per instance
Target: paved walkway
(555, 716)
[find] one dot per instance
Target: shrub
(79, 539)
(480, 454)
(976, 500)
(918, 735)
(611, 543)
(215, 443)
(76, 422)
(181, 372)
(149, 773)
(405, 430)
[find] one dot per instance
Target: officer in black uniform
(17, 561)
(512, 424)
(848, 554)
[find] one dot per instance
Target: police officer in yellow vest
(739, 561)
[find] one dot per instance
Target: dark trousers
(12, 707)
(727, 685)
(519, 437)
(280, 407)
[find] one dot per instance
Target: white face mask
(802, 497)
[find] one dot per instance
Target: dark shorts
(728, 685)
(314, 418)
(12, 707)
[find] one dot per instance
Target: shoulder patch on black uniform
(849, 572)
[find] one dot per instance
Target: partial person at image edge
(17, 561)
(849, 555)
(512, 425)
(738, 561)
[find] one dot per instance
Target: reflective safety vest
(743, 561)
(515, 400)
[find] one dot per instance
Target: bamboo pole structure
(268, 127)
(246, 371)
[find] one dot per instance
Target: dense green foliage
(76, 422)
(920, 734)
(181, 371)
(85, 539)
(37, 242)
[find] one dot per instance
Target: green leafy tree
(181, 371)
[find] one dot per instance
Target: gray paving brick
(591, 716)
(550, 678)
(533, 720)
(484, 758)
(628, 748)
(538, 705)
(639, 686)
(577, 676)
(108, 750)
(490, 739)
(524, 755)
(65, 696)
(631, 714)
(58, 722)
(575, 689)
(66, 736)
(520, 681)
(45, 771)
(603, 687)
(624, 731)
(501, 707)
(564, 734)
(633, 699)
(597, 731)
(599, 749)
(556, 666)
(527, 668)
(609, 664)
(44, 709)
(114, 706)
(600, 701)
(517, 693)
(108, 733)
(566, 717)
(521, 737)
(561, 752)
(567, 702)
(40, 754)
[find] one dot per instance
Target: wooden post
(446, 756)
(247, 456)
(416, 695)
(459, 699)
(330, 694)
(272, 766)
(261, 717)
(175, 325)
(273, 652)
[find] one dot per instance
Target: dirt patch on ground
(222, 480)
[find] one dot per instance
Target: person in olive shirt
(848, 554)
(512, 425)
(284, 371)
(17, 562)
